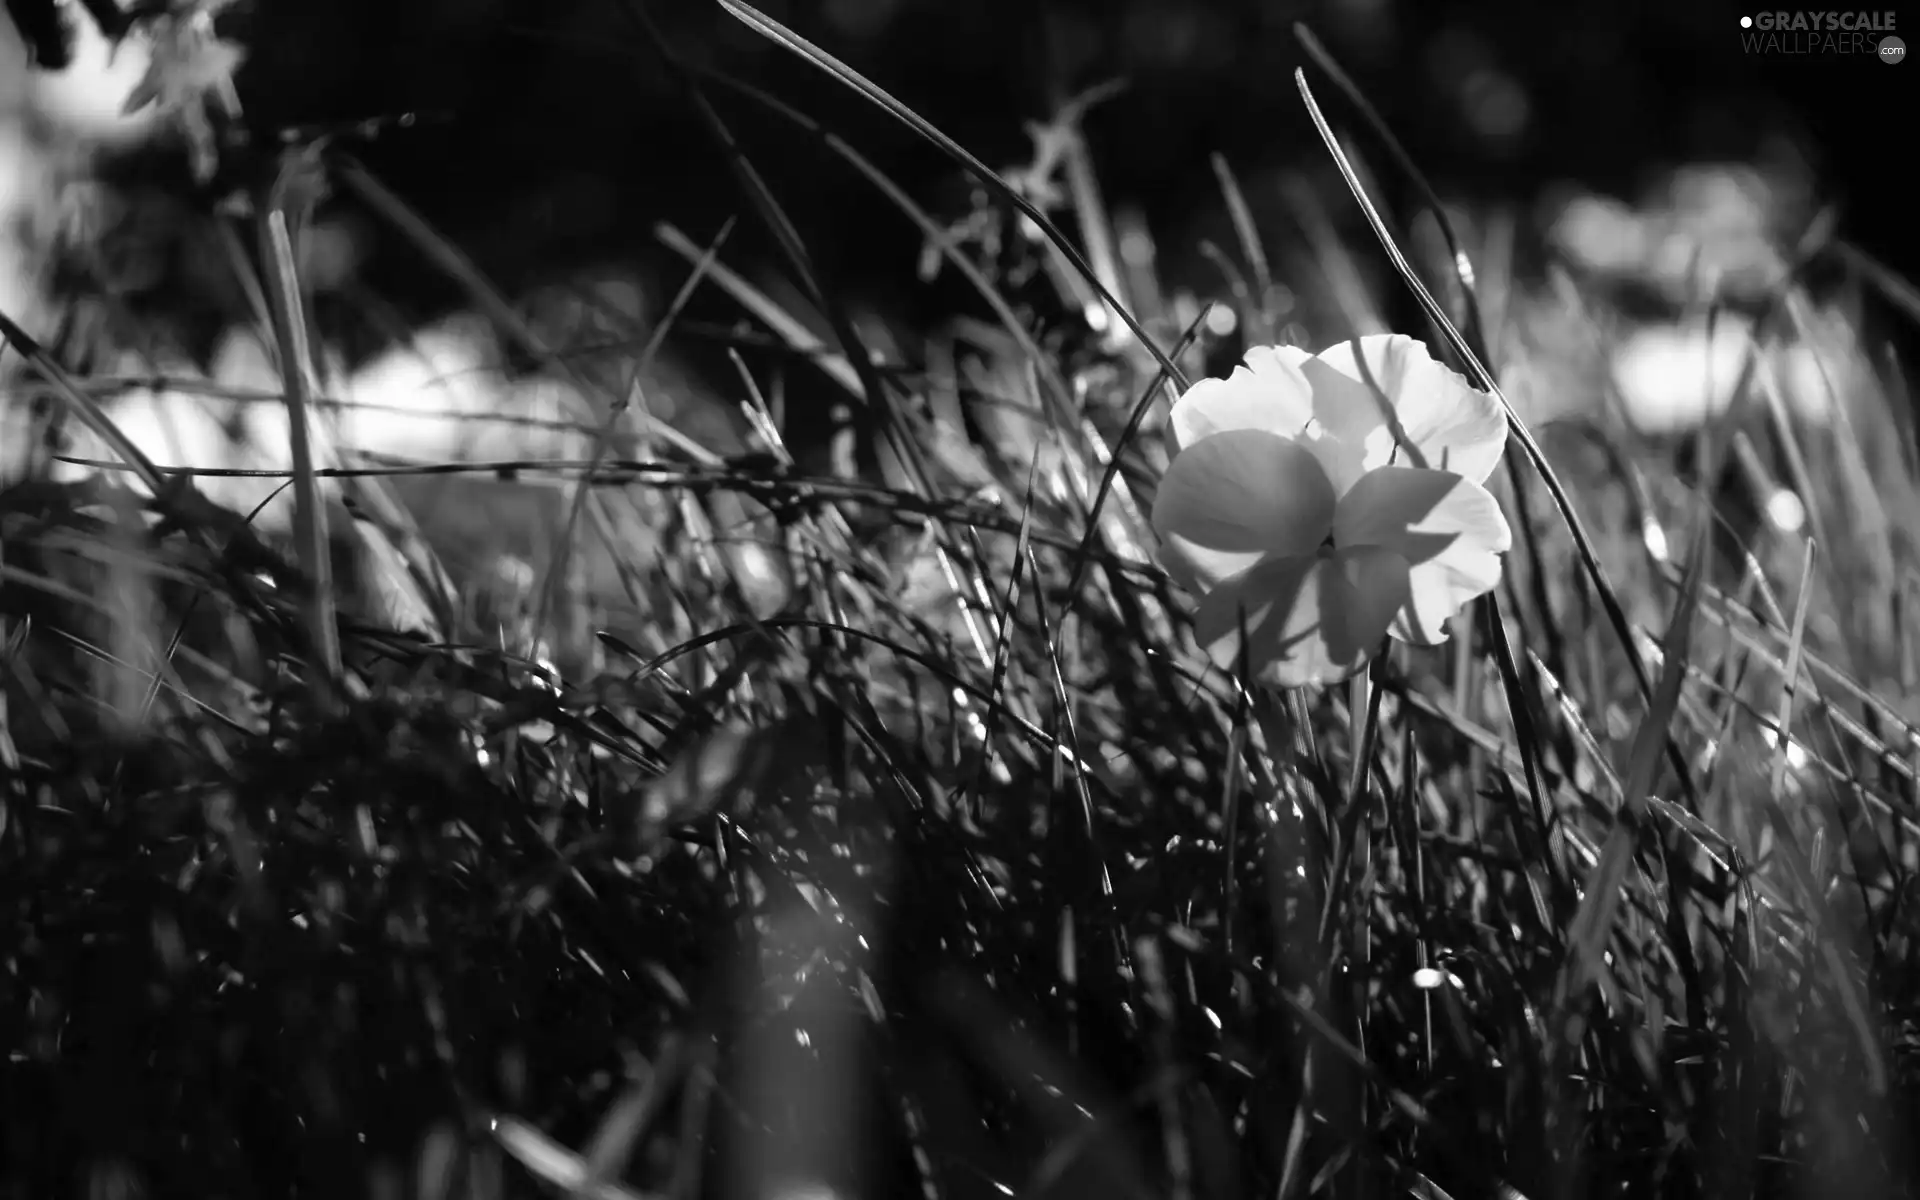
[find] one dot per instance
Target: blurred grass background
(748, 748)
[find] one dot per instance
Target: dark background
(568, 138)
(554, 136)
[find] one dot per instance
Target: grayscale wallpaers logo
(1830, 34)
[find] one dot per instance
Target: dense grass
(796, 834)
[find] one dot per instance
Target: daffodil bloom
(1317, 508)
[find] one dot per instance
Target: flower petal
(1267, 393)
(1450, 531)
(1304, 620)
(1232, 499)
(1453, 425)
(1329, 394)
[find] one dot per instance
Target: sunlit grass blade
(286, 210)
(786, 38)
(1790, 677)
(1602, 894)
(552, 1163)
(1250, 246)
(82, 405)
(1059, 396)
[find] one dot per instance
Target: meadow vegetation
(759, 824)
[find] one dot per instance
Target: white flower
(1315, 515)
(189, 75)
